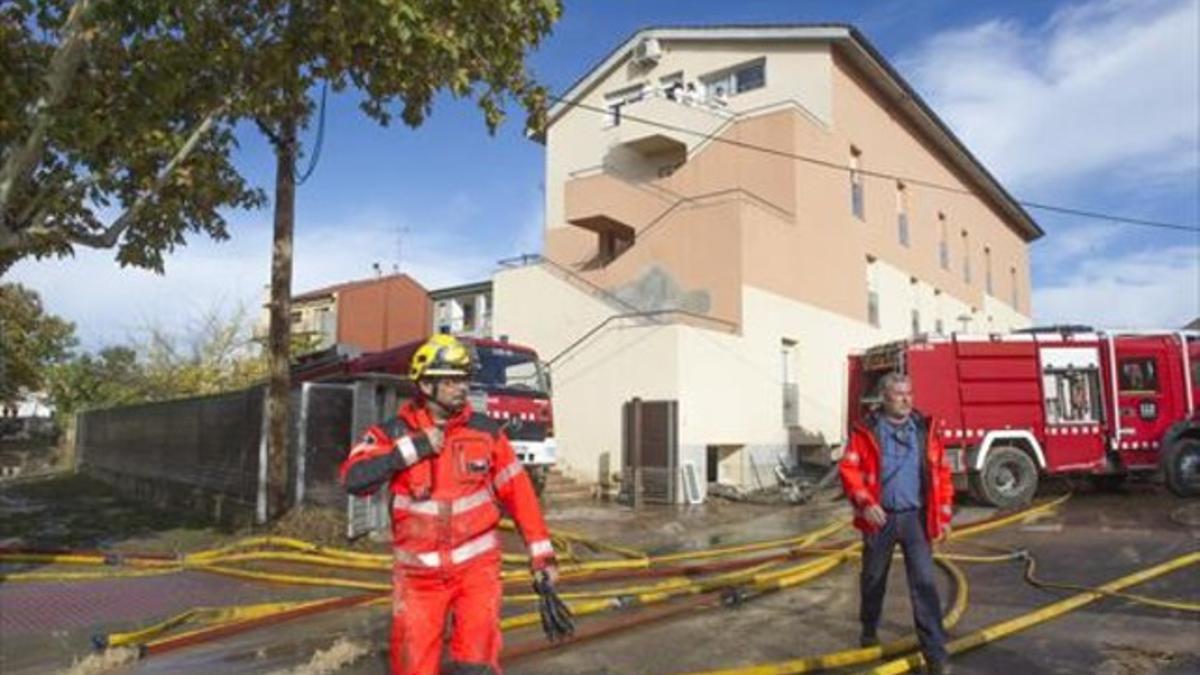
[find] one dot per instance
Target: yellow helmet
(441, 356)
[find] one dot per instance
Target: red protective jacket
(446, 504)
(859, 470)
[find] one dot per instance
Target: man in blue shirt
(901, 437)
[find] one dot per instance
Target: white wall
(627, 358)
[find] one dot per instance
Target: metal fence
(212, 449)
(210, 443)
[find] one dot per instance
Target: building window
(791, 390)
(753, 76)
(617, 100)
(1137, 375)
(872, 292)
(939, 327)
(1012, 274)
(737, 80)
(987, 269)
(902, 213)
(468, 320)
(672, 85)
(943, 243)
(966, 244)
(857, 205)
(613, 245)
(916, 322)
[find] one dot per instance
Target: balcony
(659, 127)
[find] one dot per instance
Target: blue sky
(1092, 104)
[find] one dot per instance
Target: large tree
(398, 54)
(31, 341)
(116, 125)
(117, 118)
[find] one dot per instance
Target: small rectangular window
(616, 101)
(468, 316)
(753, 76)
(857, 206)
(939, 327)
(987, 268)
(966, 258)
(1138, 375)
(1012, 273)
(943, 243)
(872, 293)
(916, 323)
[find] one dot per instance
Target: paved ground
(1094, 538)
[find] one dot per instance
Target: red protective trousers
(421, 600)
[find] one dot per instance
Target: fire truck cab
(1050, 401)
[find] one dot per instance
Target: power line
(316, 156)
(816, 161)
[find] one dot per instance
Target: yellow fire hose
(787, 578)
(203, 615)
(852, 657)
(1054, 610)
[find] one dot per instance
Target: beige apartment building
(729, 212)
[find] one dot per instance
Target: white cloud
(1100, 86)
(1101, 100)
(112, 305)
(1152, 288)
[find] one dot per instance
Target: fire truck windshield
(511, 371)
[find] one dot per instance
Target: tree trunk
(279, 337)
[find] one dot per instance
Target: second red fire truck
(1051, 401)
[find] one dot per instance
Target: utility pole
(279, 334)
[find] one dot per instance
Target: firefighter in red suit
(450, 471)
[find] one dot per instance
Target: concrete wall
(627, 359)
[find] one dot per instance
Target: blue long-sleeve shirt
(900, 462)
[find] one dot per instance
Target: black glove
(557, 622)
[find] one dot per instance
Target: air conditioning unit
(647, 51)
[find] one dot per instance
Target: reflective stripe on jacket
(446, 504)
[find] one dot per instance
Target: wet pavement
(1092, 539)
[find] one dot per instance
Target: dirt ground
(1092, 539)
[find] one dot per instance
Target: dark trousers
(907, 528)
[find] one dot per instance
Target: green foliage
(30, 341)
(217, 353)
(110, 378)
(130, 106)
(119, 107)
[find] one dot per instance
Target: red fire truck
(510, 385)
(1050, 401)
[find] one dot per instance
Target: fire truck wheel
(1181, 464)
(1008, 479)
